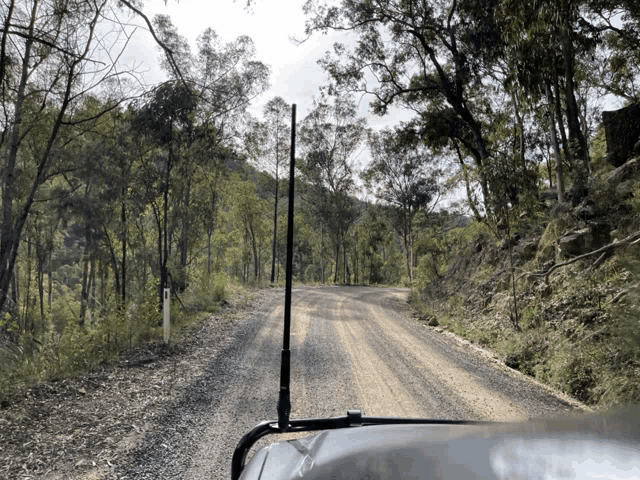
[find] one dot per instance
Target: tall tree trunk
(3, 42)
(467, 183)
(123, 239)
(254, 248)
(411, 259)
(577, 142)
(164, 257)
(556, 147)
(209, 234)
(27, 288)
(92, 283)
(559, 118)
(548, 163)
(40, 277)
(11, 229)
(15, 294)
(275, 230)
(519, 132)
(49, 287)
(335, 274)
(114, 263)
(8, 234)
(344, 263)
(322, 251)
(156, 214)
(184, 239)
(84, 296)
(405, 243)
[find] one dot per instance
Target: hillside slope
(574, 323)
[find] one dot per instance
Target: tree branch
(630, 240)
(167, 50)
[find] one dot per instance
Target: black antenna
(284, 401)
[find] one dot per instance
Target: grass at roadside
(580, 333)
(76, 349)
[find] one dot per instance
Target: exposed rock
(585, 240)
(575, 244)
(585, 211)
(548, 197)
(622, 131)
(629, 170)
(515, 238)
(548, 194)
(429, 320)
(624, 190)
(547, 254)
(601, 232)
(527, 249)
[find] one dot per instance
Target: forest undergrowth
(75, 349)
(572, 323)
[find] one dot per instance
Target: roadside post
(166, 312)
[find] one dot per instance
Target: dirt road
(352, 348)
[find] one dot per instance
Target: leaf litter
(86, 427)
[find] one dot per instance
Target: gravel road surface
(352, 348)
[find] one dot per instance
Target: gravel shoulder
(179, 413)
(122, 418)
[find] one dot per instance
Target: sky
(296, 77)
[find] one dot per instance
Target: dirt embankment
(572, 323)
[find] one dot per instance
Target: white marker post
(166, 312)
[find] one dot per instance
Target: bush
(207, 291)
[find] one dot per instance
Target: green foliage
(598, 151)
(158, 193)
(206, 291)
(574, 336)
(67, 348)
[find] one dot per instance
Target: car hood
(531, 450)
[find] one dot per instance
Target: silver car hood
(532, 450)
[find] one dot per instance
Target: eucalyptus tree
(223, 78)
(166, 117)
(51, 56)
(329, 139)
(545, 41)
(247, 213)
(616, 68)
(216, 83)
(226, 77)
(268, 144)
(404, 175)
(418, 54)
(617, 23)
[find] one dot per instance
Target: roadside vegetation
(570, 324)
(499, 202)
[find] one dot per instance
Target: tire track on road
(412, 351)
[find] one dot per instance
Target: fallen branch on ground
(630, 240)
